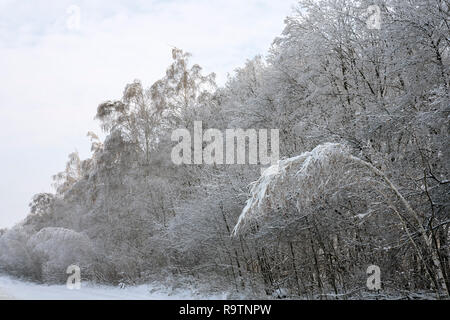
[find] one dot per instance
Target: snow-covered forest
(364, 176)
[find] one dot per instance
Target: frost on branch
(304, 177)
(57, 248)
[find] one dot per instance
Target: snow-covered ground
(11, 288)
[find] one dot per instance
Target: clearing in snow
(14, 289)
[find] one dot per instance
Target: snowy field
(13, 289)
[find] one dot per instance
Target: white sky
(52, 77)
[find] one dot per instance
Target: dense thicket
(364, 136)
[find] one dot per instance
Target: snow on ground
(11, 288)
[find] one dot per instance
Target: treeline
(364, 136)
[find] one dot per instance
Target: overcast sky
(54, 71)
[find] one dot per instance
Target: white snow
(14, 289)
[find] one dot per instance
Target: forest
(363, 177)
